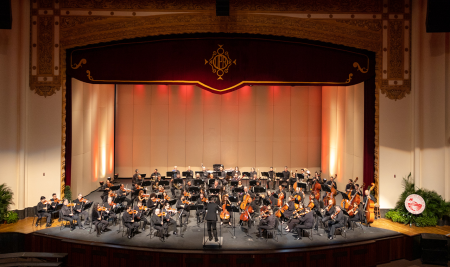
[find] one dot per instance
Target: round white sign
(415, 204)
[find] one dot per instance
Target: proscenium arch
(120, 28)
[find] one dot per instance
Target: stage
(193, 236)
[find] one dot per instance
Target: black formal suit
(66, 211)
(337, 223)
(98, 221)
(199, 212)
(266, 224)
(127, 220)
(158, 224)
(211, 217)
(305, 222)
(223, 175)
(140, 217)
(121, 193)
(285, 178)
(271, 178)
(184, 208)
(238, 173)
(190, 175)
(78, 210)
(288, 213)
(42, 211)
(356, 218)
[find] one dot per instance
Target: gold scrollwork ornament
(220, 62)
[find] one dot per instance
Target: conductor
(211, 217)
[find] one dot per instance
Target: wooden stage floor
(25, 226)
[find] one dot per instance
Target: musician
(356, 190)
(356, 215)
(216, 196)
(301, 176)
(67, 214)
(164, 198)
(141, 198)
(271, 178)
(235, 178)
(288, 213)
(175, 172)
(211, 209)
(175, 191)
(155, 174)
(366, 195)
(199, 213)
(281, 190)
(267, 223)
(54, 202)
(184, 209)
(190, 173)
(349, 186)
(42, 211)
(197, 176)
(140, 216)
(294, 220)
(78, 209)
(254, 208)
(187, 186)
(205, 174)
(246, 192)
(253, 173)
(128, 221)
(258, 188)
(336, 223)
(236, 171)
(299, 193)
(135, 177)
(97, 219)
(139, 180)
(111, 206)
(329, 210)
(157, 220)
(167, 218)
(227, 203)
(306, 222)
(105, 189)
(223, 176)
(286, 175)
(331, 184)
(292, 181)
(254, 177)
(270, 198)
(124, 192)
(152, 202)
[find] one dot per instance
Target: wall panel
(255, 126)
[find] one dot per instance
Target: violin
(102, 209)
(145, 195)
(204, 199)
(143, 208)
(171, 210)
(187, 202)
(186, 194)
(333, 217)
(162, 214)
(84, 200)
(132, 212)
(112, 194)
(311, 203)
(166, 197)
(70, 204)
(352, 212)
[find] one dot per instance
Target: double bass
(370, 207)
(329, 197)
(316, 188)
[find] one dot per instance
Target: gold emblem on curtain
(220, 62)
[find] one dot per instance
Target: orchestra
(209, 195)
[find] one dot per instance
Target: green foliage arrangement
(435, 206)
(67, 192)
(6, 196)
(11, 217)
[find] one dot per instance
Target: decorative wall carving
(57, 28)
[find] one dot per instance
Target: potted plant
(6, 196)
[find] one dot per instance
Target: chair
(63, 220)
(377, 211)
(310, 232)
(342, 229)
(274, 232)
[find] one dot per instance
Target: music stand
(229, 173)
(234, 183)
(232, 210)
(301, 185)
(114, 188)
(246, 174)
(319, 216)
(171, 174)
(217, 174)
(214, 191)
(172, 202)
(252, 182)
(194, 189)
(146, 183)
(186, 174)
(211, 182)
(164, 183)
(143, 175)
(259, 190)
(198, 182)
(177, 181)
(239, 189)
(265, 174)
(199, 207)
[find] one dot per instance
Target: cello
(280, 199)
(245, 215)
(370, 206)
(333, 190)
(280, 211)
(244, 201)
(345, 204)
(225, 215)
